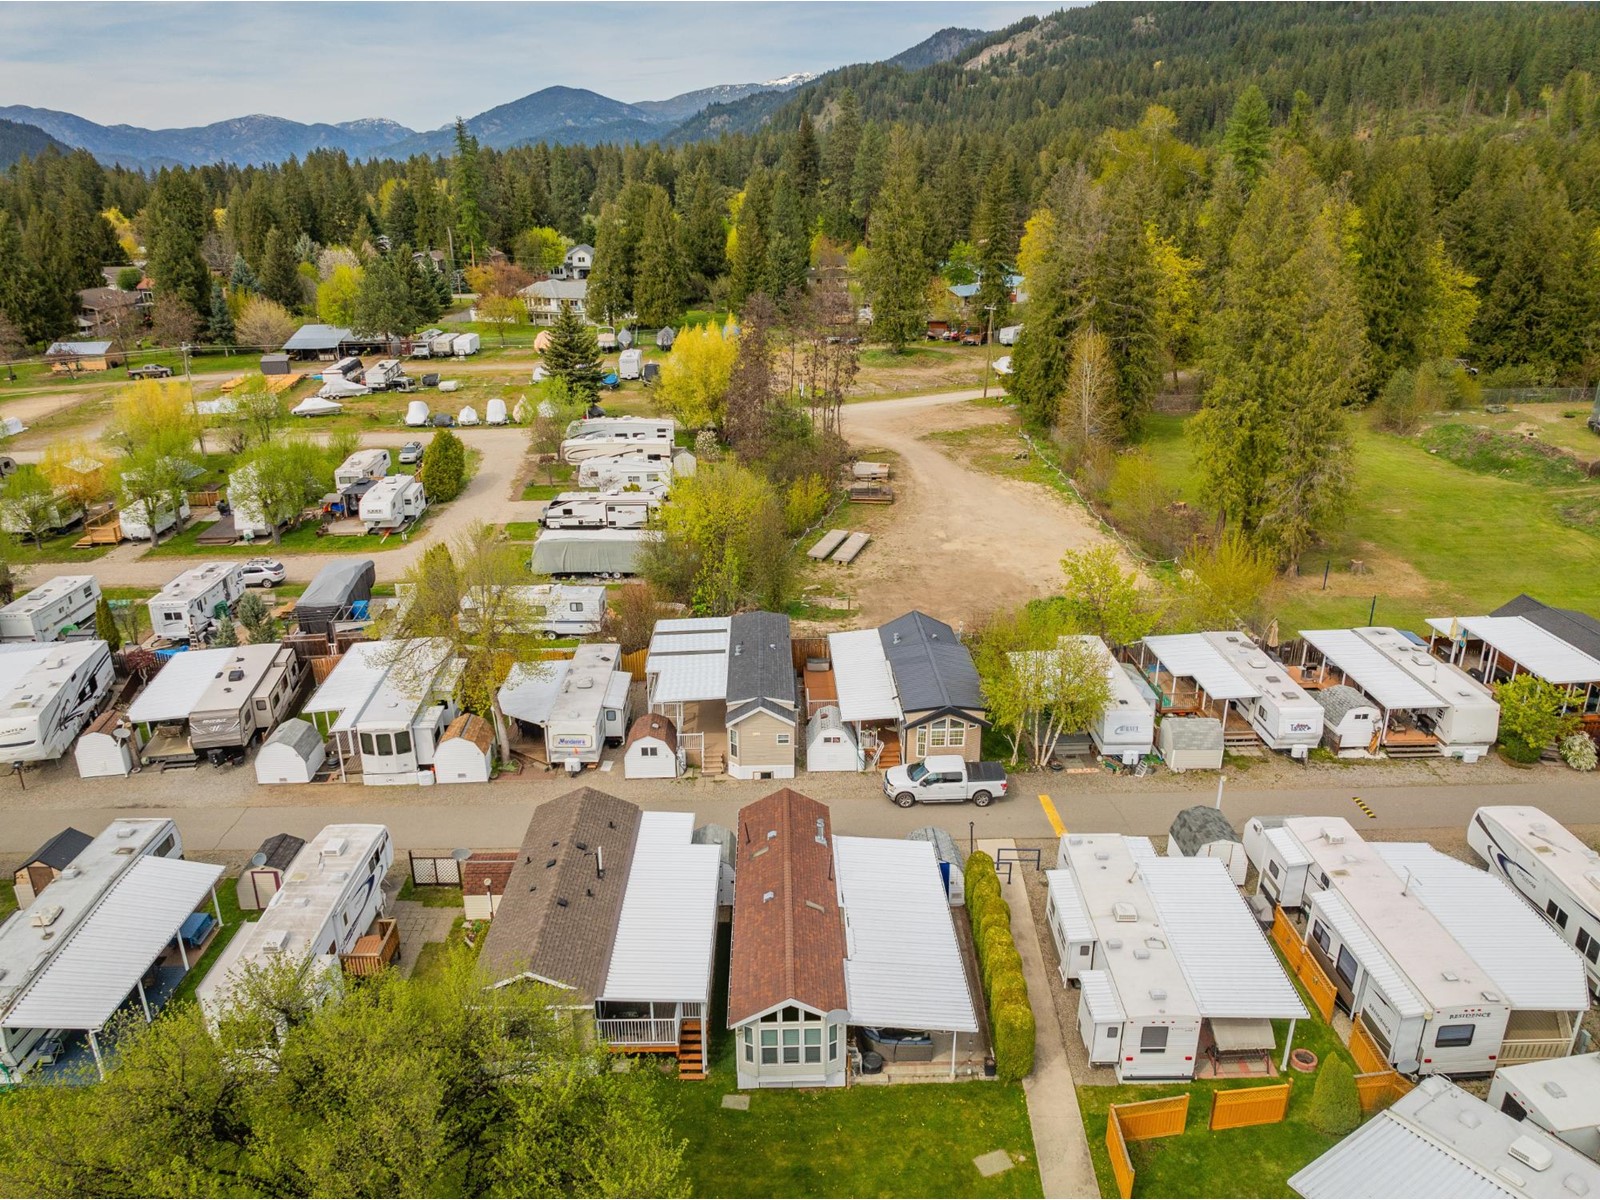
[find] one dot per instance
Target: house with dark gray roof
(1577, 629)
(762, 710)
(614, 910)
(941, 701)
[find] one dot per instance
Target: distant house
(547, 298)
(104, 309)
(577, 264)
(329, 343)
(942, 709)
(68, 358)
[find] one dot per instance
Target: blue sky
(159, 65)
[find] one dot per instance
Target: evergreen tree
(1394, 283)
(805, 161)
(1122, 302)
(467, 180)
(105, 625)
(610, 295)
(704, 237)
(867, 176)
(176, 222)
(280, 280)
(1284, 358)
(658, 289)
(995, 234)
(574, 356)
(242, 278)
(38, 310)
(219, 329)
(748, 257)
(838, 169)
(444, 467)
(897, 272)
(384, 303)
(788, 244)
(1247, 141)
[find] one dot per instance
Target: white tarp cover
(903, 965)
(89, 978)
(667, 932)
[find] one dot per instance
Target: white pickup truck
(945, 779)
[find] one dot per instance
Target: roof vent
(1158, 993)
(765, 896)
(1141, 953)
(125, 831)
(549, 864)
(235, 675)
(1491, 997)
(276, 941)
(1534, 1153)
(47, 916)
(583, 847)
(1333, 836)
(1575, 1184)
(70, 872)
(561, 902)
(1102, 856)
(815, 905)
(1123, 911)
(1155, 943)
(1113, 943)
(771, 833)
(1450, 976)
(1555, 1089)
(1469, 1118)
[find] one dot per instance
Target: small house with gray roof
(942, 709)
(762, 708)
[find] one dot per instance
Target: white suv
(263, 572)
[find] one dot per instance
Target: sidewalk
(1062, 1147)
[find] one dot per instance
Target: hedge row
(1000, 967)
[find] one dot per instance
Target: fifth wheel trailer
(51, 609)
(1555, 871)
(188, 606)
(48, 692)
(600, 510)
(393, 503)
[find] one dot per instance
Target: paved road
(495, 815)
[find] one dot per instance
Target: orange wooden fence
(1239, 1107)
(1138, 1123)
(1381, 1089)
(1304, 964)
(634, 663)
(1364, 1049)
(1117, 1149)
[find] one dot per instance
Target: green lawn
(303, 540)
(20, 551)
(522, 531)
(431, 897)
(232, 922)
(8, 898)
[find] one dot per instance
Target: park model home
(1447, 969)
(1176, 980)
(386, 706)
(1495, 649)
(941, 703)
(216, 702)
(328, 899)
(193, 603)
(50, 610)
(1428, 707)
(48, 692)
(1226, 676)
(616, 910)
(830, 933)
(1554, 871)
(115, 932)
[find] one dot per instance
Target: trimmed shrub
(1577, 749)
(1335, 1103)
(1013, 1041)
(1008, 989)
(979, 863)
(994, 922)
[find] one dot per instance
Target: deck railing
(639, 1032)
(1522, 1050)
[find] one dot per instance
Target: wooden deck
(374, 950)
(821, 689)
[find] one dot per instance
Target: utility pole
(988, 349)
(199, 425)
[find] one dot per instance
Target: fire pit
(1303, 1060)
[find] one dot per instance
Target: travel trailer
(600, 510)
(363, 464)
(582, 704)
(346, 368)
(601, 553)
(137, 525)
(63, 514)
(393, 503)
(48, 692)
(383, 374)
(1555, 871)
(613, 442)
(441, 344)
(1127, 729)
(617, 471)
(554, 609)
(630, 363)
(257, 688)
(663, 429)
(1281, 863)
(386, 705)
(1283, 714)
(188, 607)
(48, 611)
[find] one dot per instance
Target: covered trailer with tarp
(591, 552)
(340, 591)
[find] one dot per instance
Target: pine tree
(788, 246)
(704, 237)
(1394, 281)
(444, 468)
(897, 272)
(1122, 303)
(467, 179)
(610, 295)
(219, 329)
(242, 278)
(747, 261)
(659, 284)
(176, 222)
(280, 281)
(574, 356)
(1247, 141)
(995, 234)
(105, 625)
(1285, 357)
(867, 175)
(384, 303)
(805, 160)
(838, 169)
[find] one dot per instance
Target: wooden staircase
(713, 764)
(691, 1049)
(890, 755)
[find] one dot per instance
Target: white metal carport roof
(903, 966)
(1193, 657)
(1231, 970)
(1371, 956)
(1532, 964)
(862, 677)
(1535, 650)
(1371, 670)
(667, 932)
(353, 679)
(178, 686)
(528, 694)
(106, 956)
(688, 660)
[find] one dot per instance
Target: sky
(423, 64)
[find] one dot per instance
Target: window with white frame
(733, 742)
(792, 1037)
(783, 739)
(946, 733)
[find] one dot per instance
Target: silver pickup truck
(945, 779)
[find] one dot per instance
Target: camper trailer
(137, 525)
(600, 510)
(256, 689)
(1350, 722)
(1283, 714)
(441, 344)
(346, 368)
(609, 444)
(556, 609)
(329, 898)
(1127, 729)
(188, 607)
(393, 503)
(1280, 861)
(1469, 720)
(48, 692)
(363, 464)
(465, 344)
(601, 553)
(630, 363)
(63, 514)
(615, 472)
(663, 429)
(422, 344)
(591, 709)
(383, 374)
(51, 609)
(1555, 871)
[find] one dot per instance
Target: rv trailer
(393, 503)
(600, 510)
(51, 609)
(50, 692)
(190, 605)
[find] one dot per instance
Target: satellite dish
(460, 855)
(625, 338)
(258, 859)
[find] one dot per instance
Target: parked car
(973, 337)
(411, 452)
(150, 371)
(945, 779)
(263, 572)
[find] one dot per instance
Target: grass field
(8, 898)
(303, 540)
(21, 551)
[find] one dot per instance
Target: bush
(1517, 750)
(1578, 752)
(996, 921)
(1002, 962)
(1335, 1103)
(444, 467)
(1008, 989)
(978, 865)
(1013, 1030)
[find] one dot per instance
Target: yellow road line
(1051, 814)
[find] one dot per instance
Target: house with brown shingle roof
(617, 910)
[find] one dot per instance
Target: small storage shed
(1191, 743)
(1349, 720)
(951, 861)
(466, 753)
(293, 753)
(47, 863)
(107, 748)
(1203, 832)
(262, 876)
(274, 364)
(652, 748)
(830, 743)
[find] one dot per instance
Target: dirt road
(957, 542)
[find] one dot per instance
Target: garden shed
(1203, 832)
(652, 748)
(466, 753)
(1191, 743)
(1350, 721)
(294, 753)
(831, 744)
(262, 876)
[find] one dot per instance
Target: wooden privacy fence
(1370, 1060)
(1239, 1107)
(1139, 1123)
(802, 648)
(634, 664)
(1381, 1089)
(1304, 964)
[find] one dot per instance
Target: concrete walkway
(419, 924)
(1059, 1141)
